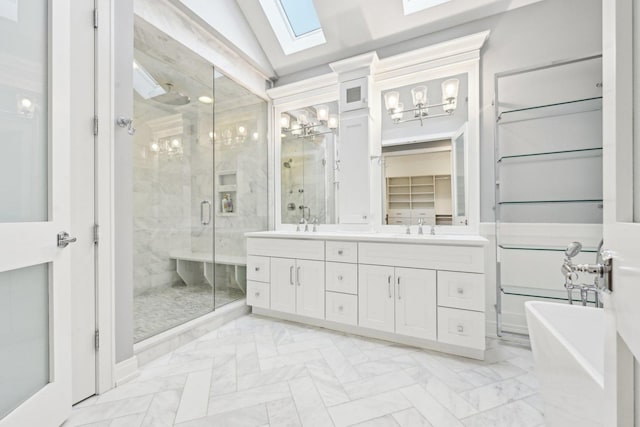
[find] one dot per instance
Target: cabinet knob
(257, 294)
(340, 252)
(340, 277)
(257, 268)
(340, 308)
(460, 328)
(460, 291)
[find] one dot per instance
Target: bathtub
(568, 349)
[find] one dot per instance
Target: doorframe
(104, 195)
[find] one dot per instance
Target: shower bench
(193, 266)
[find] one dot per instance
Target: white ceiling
(353, 27)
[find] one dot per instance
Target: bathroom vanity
(421, 290)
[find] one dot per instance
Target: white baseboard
(126, 370)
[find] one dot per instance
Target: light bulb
(323, 113)
(210, 135)
(285, 121)
(255, 136)
(332, 123)
(205, 99)
(397, 112)
(303, 119)
(419, 95)
(175, 143)
(450, 94)
(26, 103)
(296, 129)
(391, 100)
(155, 147)
(242, 131)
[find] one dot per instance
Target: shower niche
(227, 192)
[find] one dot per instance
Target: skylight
(295, 24)
(413, 6)
(301, 15)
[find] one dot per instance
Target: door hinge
(97, 340)
(96, 233)
(95, 18)
(95, 125)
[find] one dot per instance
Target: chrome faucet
(315, 224)
(408, 229)
(601, 269)
(433, 230)
(420, 226)
(304, 222)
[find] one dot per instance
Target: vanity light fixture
(170, 147)
(420, 102)
(303, 126)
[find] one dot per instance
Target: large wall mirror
(425, 151)
(308, 164)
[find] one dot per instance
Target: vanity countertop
(424, 239)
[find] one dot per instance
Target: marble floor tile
(256, 371)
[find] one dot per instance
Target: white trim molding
(283, 31)
(126, 370)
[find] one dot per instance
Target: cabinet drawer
(286, 248)
(342, 251)
(342, 308)
(258, 294)
(399, 213)
(461, 327)
(461, 290)
(258, 268)
(342, 277)
(399, 221)
(423, 213)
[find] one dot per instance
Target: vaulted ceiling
(352, 27)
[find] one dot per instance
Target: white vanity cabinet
(400, 300)
(421, 290)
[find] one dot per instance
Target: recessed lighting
(26, 103)
(205, 99)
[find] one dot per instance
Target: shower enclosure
(200, 173)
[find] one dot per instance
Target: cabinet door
(416, 303)
(283, 289)
(310, 288)
(375, 297)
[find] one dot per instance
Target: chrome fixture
(124, 122)
(433, 230)
(408, 229)
(64, 239)
(287, 164)
(205, 204)
(170, 146)
(315, 224)
(420, 226)
(303, 221)
(304, 125)
(601, 269)
(419, 99)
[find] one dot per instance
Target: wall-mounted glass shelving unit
(548, 170)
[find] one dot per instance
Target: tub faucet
(601, 269)
(420, 226)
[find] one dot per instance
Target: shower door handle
(202, 211)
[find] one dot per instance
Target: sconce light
(421, 105)
(242, 131)
(305, 126)
(170, 147)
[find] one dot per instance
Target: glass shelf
(557, 295)
(549, 153)
(550, 110)
(522, 202)
(541, 248)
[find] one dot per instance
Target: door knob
(64, 239)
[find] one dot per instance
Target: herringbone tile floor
(257, 372)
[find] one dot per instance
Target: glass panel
(241, 191)
(301, 15)
(636, 111)
(459, 166)
(24, 111)
(24, 333)
(172, 183)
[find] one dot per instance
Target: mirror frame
(282, 105)
(429, 71)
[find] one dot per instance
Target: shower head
(573, 249)
(287, 164)
(172, 96)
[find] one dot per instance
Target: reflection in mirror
(424, 152)
(308, 164)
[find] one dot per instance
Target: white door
(310, 289)
(375, 297)
(621, 154)
(283, 289)
(416, 304)
(35, 364)
(459, 176)
(83, 307)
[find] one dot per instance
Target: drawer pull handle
(340, 277)
(389, 286)
(340, 308)
(399, 295)
(298, 275)
(460, 291)
(340, 252)
(291, 275)
(460, 328)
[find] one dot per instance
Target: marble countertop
(424, 239)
